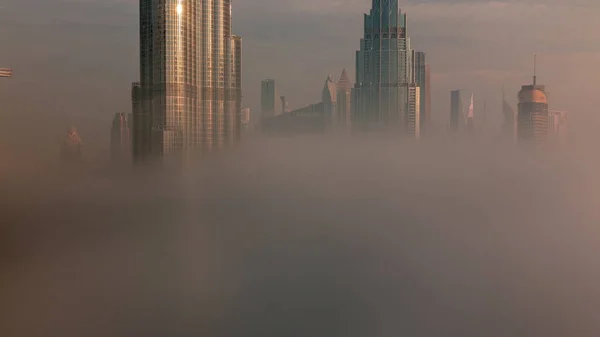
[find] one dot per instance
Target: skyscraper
(457, 111)
(413, 125)
(383, 69)
(344, 102)
(426, 108)
(532, 118)
(190, 73)
(269, 99)
(329, 99)
(421, 78)
(120, 137)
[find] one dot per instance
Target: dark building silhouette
(457, 111)
(344, 102)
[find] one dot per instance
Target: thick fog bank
(307, 237)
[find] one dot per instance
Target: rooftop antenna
(534, 69)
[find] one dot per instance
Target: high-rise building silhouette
(120, 139)
(532, 118)
(344, 102)
(426, 108)
(384, 69)
(190, 72)
(413, 125)
(270, 101)
(329, 99)
(457, 111)
(421, 78)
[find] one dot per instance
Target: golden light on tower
(532, 118)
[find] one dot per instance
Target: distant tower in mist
(120, 138)
(269, 99)
(246, 118)
(72, 146)
(558, 127)
(422, 78)
(457, 111)
(413, 111)
(329, 99)
(532, 118)
(284, 105)
(344, 102)
(470, 121)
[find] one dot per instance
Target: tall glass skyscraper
(190, 68)
(384, 69)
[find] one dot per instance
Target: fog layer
(308, 237)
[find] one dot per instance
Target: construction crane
(6, 72)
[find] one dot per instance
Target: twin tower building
(189, 95)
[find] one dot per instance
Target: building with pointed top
(344, 102)
(384, 70)
(329, 99)
(470, 120)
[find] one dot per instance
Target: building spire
(534, 69)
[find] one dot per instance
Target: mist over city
(282, 168)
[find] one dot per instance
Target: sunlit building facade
(532, 116)
(383, 70)
(190, 68)
(422, 78)
(413, 124)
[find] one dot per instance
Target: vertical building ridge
(190, 78)
(383, 70)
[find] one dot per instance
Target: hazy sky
(78, 57)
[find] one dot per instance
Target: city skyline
(452, 49)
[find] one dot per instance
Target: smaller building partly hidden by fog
(72, 146)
